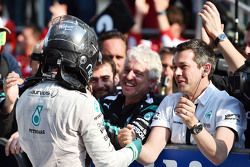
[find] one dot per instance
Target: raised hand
(211, 20)
(11, 90)
(126, 135)
(185, 109)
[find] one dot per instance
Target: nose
(177, 71)
(100, 84)
(165, 72)
(130, 75)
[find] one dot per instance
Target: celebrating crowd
(73, 98)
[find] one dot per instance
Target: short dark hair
(203, 52)
(167, 50)
(110, 35)
(107, 60)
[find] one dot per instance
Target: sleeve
(232, 114)
(112, 130)
(7, 123)
(164, 113)
(98, 144)
(13, 65)
(142, 122)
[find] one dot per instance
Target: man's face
(167, 64)
(116, 49)
(247, 44)
(102, 81)
(135, 81)
(186, 72)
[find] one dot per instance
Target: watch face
(197, 128)
(222, 37)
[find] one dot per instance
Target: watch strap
(197, 128)
(219, 38)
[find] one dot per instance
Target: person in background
(198, 114)
(171, 23)
(103, 82)
(136, 103)
(167, 85)
(7, 61)
(212, 33)
(10, 46)
(29, 37)
(113, 44)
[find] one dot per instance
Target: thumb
(130, 127)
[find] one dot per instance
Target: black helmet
(71, 46)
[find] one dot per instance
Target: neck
(134, 99)
(202, 86)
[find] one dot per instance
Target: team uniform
(57, 126)
(215, 109)
(117, 116)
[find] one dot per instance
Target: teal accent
(148, 116)
(36, 118)
(208, 115)
(111, 128)
(136, 147)
(151, 107)
(97, 106)
(2, 94)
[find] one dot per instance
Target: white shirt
(57, 126)
(215, 108)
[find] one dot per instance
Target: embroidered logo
(208, 115)
(148, 116)
(36, 118)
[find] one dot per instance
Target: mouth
(129, 84)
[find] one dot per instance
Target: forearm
(234, 59)
(163, 22)
(147, 156)
(6, 124)
(155, 143)
(138, 24)
(215, 150)
(7, 106)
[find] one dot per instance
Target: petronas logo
(36, 118)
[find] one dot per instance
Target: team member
(136, 103)
(200, 114)
(103, 82)
(57, 120)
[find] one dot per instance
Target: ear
(116, 79)
(152, 84)
(206, 69)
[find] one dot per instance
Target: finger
(7, 148)
(18, 148)
(212, 7)
(129, 126)
(13, 146)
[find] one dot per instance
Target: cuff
(136, 147)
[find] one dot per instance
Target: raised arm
(11, 91)
(161, 7)
(212, 27)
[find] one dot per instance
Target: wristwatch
(221, 37)
(197, 128)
